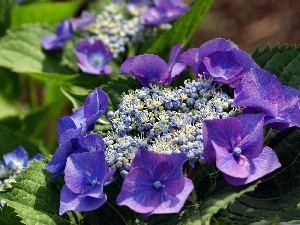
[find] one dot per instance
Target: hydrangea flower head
(64, 32)
(84, 20)
(83, 190)
(17, 159)
(149, 68)
(155, 183)
(14, 163)
(236, 146)
(93, 57)
(158, 12)
(221, 59)
(261, 91)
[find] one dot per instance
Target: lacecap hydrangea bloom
(100, 38)
(14, 163)
(156, 130)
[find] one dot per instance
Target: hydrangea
(164, 120)
(260, 91)
(93, 57)
(158, 12)
(75, 127)
(64, 32)
(14, 163)
(83, 189)
(236, 146)
(149, 68)
(220, 59)
(155, 183)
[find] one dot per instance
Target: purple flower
(93, 57)
(151, 68)
(64, 32)
(160, 12)
(220, 59)
(83, 190)
(236, 146)
(155, 183)
(261, 91)
(72, 130)
(84, 20)
(84, 117)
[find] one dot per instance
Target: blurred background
(251, 23)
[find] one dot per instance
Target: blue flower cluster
(14, 163)
(111, 32)
(164, 120)
(115, 30)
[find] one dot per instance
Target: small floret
(93, 57)
(64, 32)
(236, 146)
(155, 183)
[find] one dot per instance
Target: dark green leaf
(181, 30)
(9, 216)
(35, 197)
(10, 140)
(282, 61)
(5, 15)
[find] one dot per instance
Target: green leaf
(20, 50)
(278, 196)
(182, 29)
(9, 216)
(10, 140)
(50, 12)
(5, 15)
(282, 61)
(35, 197)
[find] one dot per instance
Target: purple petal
(228, 164)
(63, 124)
(73, 202)
(52, 43)
(146, 68)
(223, 66)
(173, 204)
(175, 68)
(64, 150)
(95, 105)
(259, 86)
(84, 20)
(91, 143)
(64, 31)
(226, 133)
(17, 159)
(264, 164)
(252, 134)
(82, 177)
(138, 192)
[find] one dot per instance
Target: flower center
(157, 184)
(237, 151)
(94, 182)
(96, 61)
